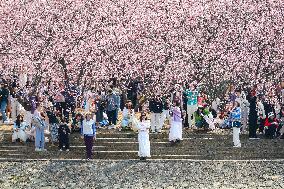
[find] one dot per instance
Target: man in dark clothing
(184, 110)
(4, 95)
(156, 109)
(252, 115)
(112, 107)
(69, 105)
(63, 135)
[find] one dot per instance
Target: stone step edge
(127, 160)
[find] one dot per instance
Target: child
(77, 122)
(270, 126)
(63, 135)
(143, 137)
(175, 134)
(236, 123)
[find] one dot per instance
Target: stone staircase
(111, 144)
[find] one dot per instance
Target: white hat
(270, 114)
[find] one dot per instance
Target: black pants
(185, 120)
(252, 128)
(112, 117)
(64, 141)
(270, 132)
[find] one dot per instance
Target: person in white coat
(143, 137)
(244, 105)
(175, 134)
(236, 116)
(19, 130)
(127, 115)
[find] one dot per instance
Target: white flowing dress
(21, 133)
(143, 139)
(176, 125)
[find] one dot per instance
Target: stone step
(134, 154)
(177, 149)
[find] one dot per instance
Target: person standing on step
(280, 130)
(244, 104)
(15, 106)
(252, 115)
(261, 114)
(39, 121)
(112, 106)
(192, 103)
(166, 110)
(236, 116)
(88, 132)
(4, 96)
(63, 135)
(156, 109)
(143, 137)
(175, 134)
(53, 123)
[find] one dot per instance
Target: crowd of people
(59, 110)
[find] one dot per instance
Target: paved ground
(135, 174)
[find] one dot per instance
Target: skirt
(175, 131)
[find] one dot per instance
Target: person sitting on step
(270, 126)
(19, 130)
(128, 114)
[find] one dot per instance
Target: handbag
(236, 124)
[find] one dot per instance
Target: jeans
(3, 110)
(39, 138)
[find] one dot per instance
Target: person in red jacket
(270, 125)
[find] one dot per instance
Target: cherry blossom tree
(86, 42)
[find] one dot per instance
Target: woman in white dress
(143, 137)
(19, 130)
(175, 134)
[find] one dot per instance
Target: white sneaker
(67, 150)
(254, 138)
(7, 121)
(44, 150)
(60, 150)
(111, 127)
(38, 150)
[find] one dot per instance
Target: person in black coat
(252, 115)
(63, 135)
